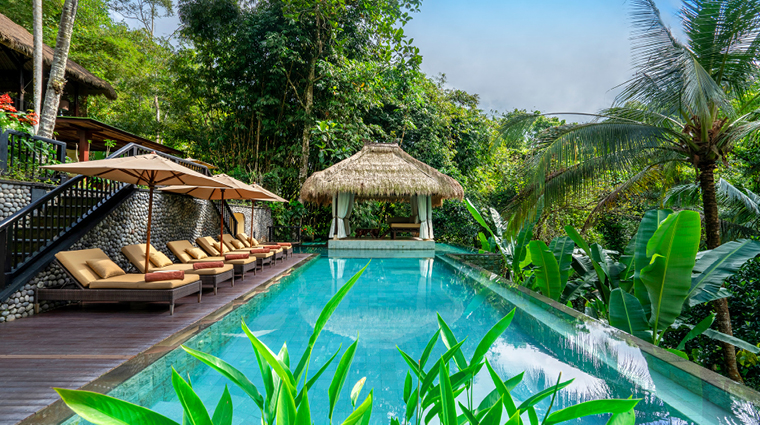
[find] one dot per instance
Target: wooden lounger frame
(80, 293)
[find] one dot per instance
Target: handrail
(31, 231)
(18, 151)
(231, 222)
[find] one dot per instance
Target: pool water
(395, 304)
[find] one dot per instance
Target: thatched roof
(380, 171)
(18, 39)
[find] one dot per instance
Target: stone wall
(175, 217)
(16, 195)
(494, 263)
(262, 219)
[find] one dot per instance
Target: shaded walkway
(72, 346)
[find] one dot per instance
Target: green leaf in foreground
(195, 411)
(105, 410)
(228, 371)
(341, 373)
(357, 414)
(491, 336)
(588, 408)
(448, 406)
(223, 412)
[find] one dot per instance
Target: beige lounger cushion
(197, 253)
(237, 244)
(137, 251)
(180, 248)
(206, 243)
(137, 281)
(105, 268)
(405, 225)
(136, 255)
(244, 239)
(76, 264)
(158, 258)
(221, 247)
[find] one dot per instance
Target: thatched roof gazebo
(381, 171)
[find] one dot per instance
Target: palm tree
(687, 103)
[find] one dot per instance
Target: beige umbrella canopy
(146, 170)
(233, 189)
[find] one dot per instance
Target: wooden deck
(73, 346)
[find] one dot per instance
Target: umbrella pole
(221, 228)
(253, 203)
(150, 214)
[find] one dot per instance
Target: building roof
(381, 171)
(68, 129)
(17, 38)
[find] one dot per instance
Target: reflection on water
(396, 303)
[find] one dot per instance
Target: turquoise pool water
(395, 304)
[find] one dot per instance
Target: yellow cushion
(76, 264)
(159, 259)
(137, 281)
(105, 268)
(244, 239)
(179, 249)
(196, 253)
(237, 244)
(222, 248)
(136, 255)
(207, 244)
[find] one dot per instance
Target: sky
(546, 55)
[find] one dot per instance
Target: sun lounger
(249, 242)
(87, 285)
(279, 254)
(207, 244)
(181, 250)
(209, 277)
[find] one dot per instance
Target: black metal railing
(230, 222)
(22, 155)
(31, 231)
(284, 234)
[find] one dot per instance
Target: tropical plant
(426, 401)
(12, 119)
(688, 103)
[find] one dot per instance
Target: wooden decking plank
(72, 346)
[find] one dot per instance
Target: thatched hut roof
(381, 171)
(18, 39)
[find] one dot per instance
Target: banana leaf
(715, 266)
(649, 224)
(667, 278)
(562, 248)
(547, 271)
(627, 315)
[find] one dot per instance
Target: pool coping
(58, 412)
(710, 377)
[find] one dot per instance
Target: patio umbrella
(233, 189)
(270, 197)
(145, 170)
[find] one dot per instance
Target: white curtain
(342, 206)
(337, 267)
(415, 211)
(425, 211)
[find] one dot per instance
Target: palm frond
(725, 37)
(515, 128)
(685, 196)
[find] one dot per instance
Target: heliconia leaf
(515, 419)
(192, 405)
(286, 406)
(427, 381)
(358, 389)
(624, 418)
(491, 336)
(324, 316)
(493, 417)
(223, 411)
(303, 412)
(627, 314)
(228, 371)
(547, 273)
(339, 378)
(678, 353)
(275, 363)
(429, 348)
(562, 248)
(105, 410)
(407, 387)
(588, 408)
(484, 245)
(649, 224)
(316, 376)
(450, 341)
(697, 330)
(411, 405)
(410, 362)
(448, 406)
(468, 414)
(357, 414)
(667, 278)
(284, 356)
(532, 416)
(367, 413)
(503, 390)
(535, 398)
(476, 214)
(716, 265)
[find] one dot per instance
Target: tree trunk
(57, 77)
(37, 57)
(308, 103)
(158, 119)
(712, 233)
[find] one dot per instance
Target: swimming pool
(395, 304)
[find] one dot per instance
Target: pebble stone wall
(262, 219)
(15, 195)
(175, 217)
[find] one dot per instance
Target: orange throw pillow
(166, 275)
(259, 251)
(237, 256)
(208, 265)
